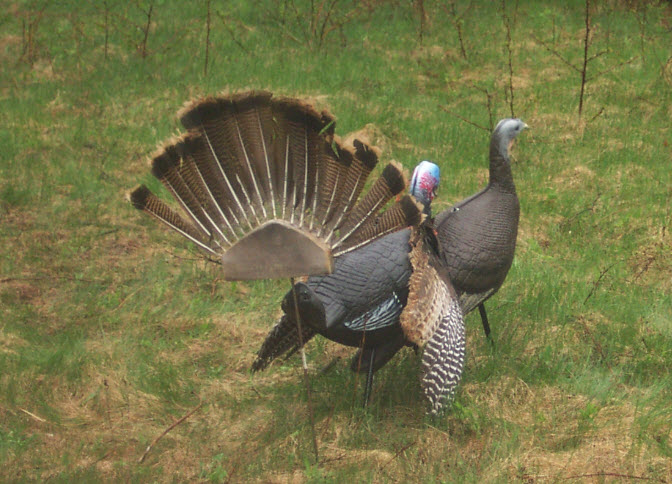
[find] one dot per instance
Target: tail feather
(216, 120)
(389, 184)
(167, 168)
(363, 162)
(283, 339)
(433, 319)
(143, 199)
(335, 169)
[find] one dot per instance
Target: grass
(112, 329)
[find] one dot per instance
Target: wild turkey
(478, 234)
(391, 293)
(269, 189)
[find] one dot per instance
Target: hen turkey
(478, 235)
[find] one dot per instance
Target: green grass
(111, 329)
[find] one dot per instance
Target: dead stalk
(420, 5)
(584, 69)
(39, 419)
(507, 26)
(457, 21)
(207, 40)
(143, 50)
(106, 8)
(461, 118)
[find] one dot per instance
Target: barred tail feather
(443, 359)
(143, 199)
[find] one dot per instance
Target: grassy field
(113, 329)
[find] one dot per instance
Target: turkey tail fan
(268, 187)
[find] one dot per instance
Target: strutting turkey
(476, 240)
(270, 190)
(478, 235)
(391, 293)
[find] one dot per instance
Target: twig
(457, 23)
(107, 26)
(232, 34)
(565, 223)
(423, 18)
(599, 113)
(596, 343)
(463, 119)
(507, 24)
(323, 30)
(629, 61)
(488, 104)
(207, 40)
(613, 474)
(555, 53)
(123, 301)
(143, 52)
(597, 282)
(404, 448)
(646, 266)
(175, 424)
(40, 419)
(584, 69)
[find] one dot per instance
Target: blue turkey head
(424, 183)
(506, 131)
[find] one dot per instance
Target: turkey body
(478, 235)
(366, 293)
(478, 241)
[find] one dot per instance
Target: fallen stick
(32, 415)
(175, 424)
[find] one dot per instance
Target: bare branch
(207, 40)
(555, 53)
(629, 61)
(464, 119)
(596, 284)
(584, 69)
(175, 424)
(507, 25)
(595, 56)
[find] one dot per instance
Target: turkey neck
(501, 177)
